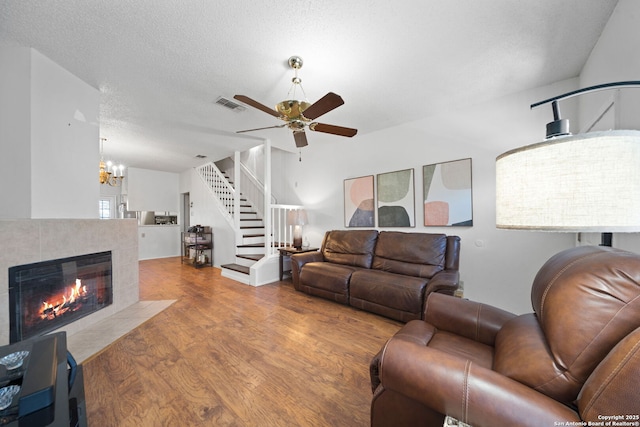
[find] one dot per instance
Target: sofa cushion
(395, 291)
(350, 247)
(413, 254)
(327, 276)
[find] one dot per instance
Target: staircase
(252, 241)
(256, 256)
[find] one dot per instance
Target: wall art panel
(448, 198)
(396, 199)
(358, 202)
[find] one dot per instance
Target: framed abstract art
(358, 202)
(448, 198)
(396, 199)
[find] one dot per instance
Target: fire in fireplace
(47, 295)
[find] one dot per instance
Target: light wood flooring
(229, 354)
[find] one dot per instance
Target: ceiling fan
(297, 114)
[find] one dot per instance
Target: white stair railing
(252, 189)
(281, 231)
(219, 186)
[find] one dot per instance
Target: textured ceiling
(160, 65)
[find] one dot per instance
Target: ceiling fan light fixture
(296, 125)
(292, 109)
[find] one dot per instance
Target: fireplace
(45, 296)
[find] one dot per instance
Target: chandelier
(110, 173)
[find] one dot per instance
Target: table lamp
(297, 218)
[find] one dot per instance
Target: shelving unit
(197, 248)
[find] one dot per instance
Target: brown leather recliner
(576, 358)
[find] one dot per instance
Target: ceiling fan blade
(268, 127)
(301, 138)
(333, 129)
(256, 104)
(323, 106)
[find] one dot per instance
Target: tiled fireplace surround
(25, 241)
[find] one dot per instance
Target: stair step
(252, 245)
(253, 235)
(252, 257)
(245, 227)
(237, 267)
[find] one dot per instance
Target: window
(106, 208)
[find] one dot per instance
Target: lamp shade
(297, 217)
(586, 182)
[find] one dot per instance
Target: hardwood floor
(229, 354)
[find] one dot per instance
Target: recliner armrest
(299, 260)
(470, 393)
(446, 282)
(470, 319)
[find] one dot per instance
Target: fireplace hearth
(45, 296)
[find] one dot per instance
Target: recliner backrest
(414, 254)
(586, 300)
(350, 247)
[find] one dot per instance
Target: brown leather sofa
(388, 273)
(575, 359)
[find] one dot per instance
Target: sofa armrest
(299, 260)
(470, 393)
(470, 319)
(446, 282)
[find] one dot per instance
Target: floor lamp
(584, 183)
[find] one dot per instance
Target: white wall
(158, 241)
(15, 133)
(615, 58)
(281, 188)
(49, 139)
(205, 212)
(151, 190)
(64, 142)
(497, 266)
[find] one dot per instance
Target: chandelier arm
(604, 86)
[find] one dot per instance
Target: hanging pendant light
(109, 173)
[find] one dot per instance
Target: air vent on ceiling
(200, 156)
(227, 103)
